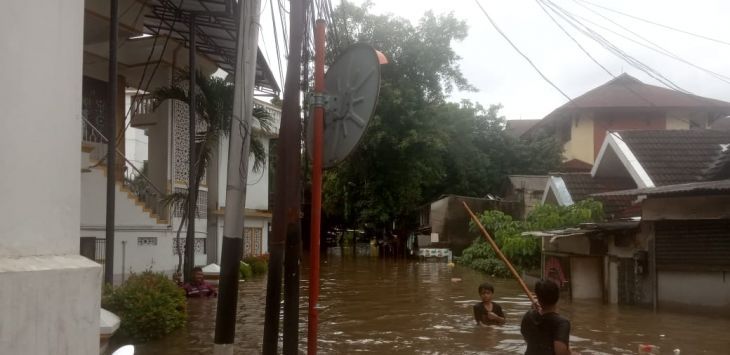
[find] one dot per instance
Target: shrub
(245, 271)
(149, 304)
(523, 252)
(259, 264)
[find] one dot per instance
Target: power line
(653, 46)
(657, 24)
(587, 31)
(573, 39)
(276, 41)
(520, 52)
(542, 6)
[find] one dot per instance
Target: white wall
(131, 256)
(257, 188)
(93, 204)
(53, 305)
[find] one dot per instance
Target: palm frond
(161, 94)
(258, 151)
(264, 119)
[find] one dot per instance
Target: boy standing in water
(487, 312)
(545, 331)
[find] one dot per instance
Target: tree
(417, 145)
(215, 108)
(523, 252)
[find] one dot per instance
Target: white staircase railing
(133, 179)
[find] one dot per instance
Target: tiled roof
(582, 185)
(515, 128)
(575, 166)
(627, 92)
(680, 156)
(695, 188)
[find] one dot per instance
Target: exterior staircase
(131, 182)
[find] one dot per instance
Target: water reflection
(388, 306)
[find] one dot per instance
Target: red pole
(318, 133)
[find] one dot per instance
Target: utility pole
(317, 143)
(192, 194)
(111, 168)
(286, 223)
(237, 176)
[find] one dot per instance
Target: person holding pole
(545, 331)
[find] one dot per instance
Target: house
(611, 261)
(527, 190)
(624, 103)
(447, 221)
(517, 128)
(146, 228)
(688, 229)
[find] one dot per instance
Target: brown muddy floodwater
(385, 306)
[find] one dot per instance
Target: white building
(146, 229)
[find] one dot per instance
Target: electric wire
(651, 45)
(608, 45)
(484, 11)
(657, 24)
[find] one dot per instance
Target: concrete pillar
(51, 294)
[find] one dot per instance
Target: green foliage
(417, 145)
(523, 252)
(245, 271)
(214, 100)
(259, 264)
(149, 304)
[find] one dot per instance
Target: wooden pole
(111, 166)
(499, 253)
(317, 143)
(192, 194)
(286, 222)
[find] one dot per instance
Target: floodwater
(387, 306)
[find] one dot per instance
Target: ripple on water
(386, 307)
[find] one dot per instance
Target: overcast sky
(501, 75)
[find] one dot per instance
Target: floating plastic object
(677, 352)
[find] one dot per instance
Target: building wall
(586, 277)
(50, 304)
(687, 289)
(580, 145)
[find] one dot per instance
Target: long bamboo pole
(499, 253)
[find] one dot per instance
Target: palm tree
(214, 98)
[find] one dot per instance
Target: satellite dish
(352, 84)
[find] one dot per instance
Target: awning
(586, 229)
(215, 28)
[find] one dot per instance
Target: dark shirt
(480, 313)
(202, 289)
(541, 330)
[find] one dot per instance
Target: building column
(50, 302)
